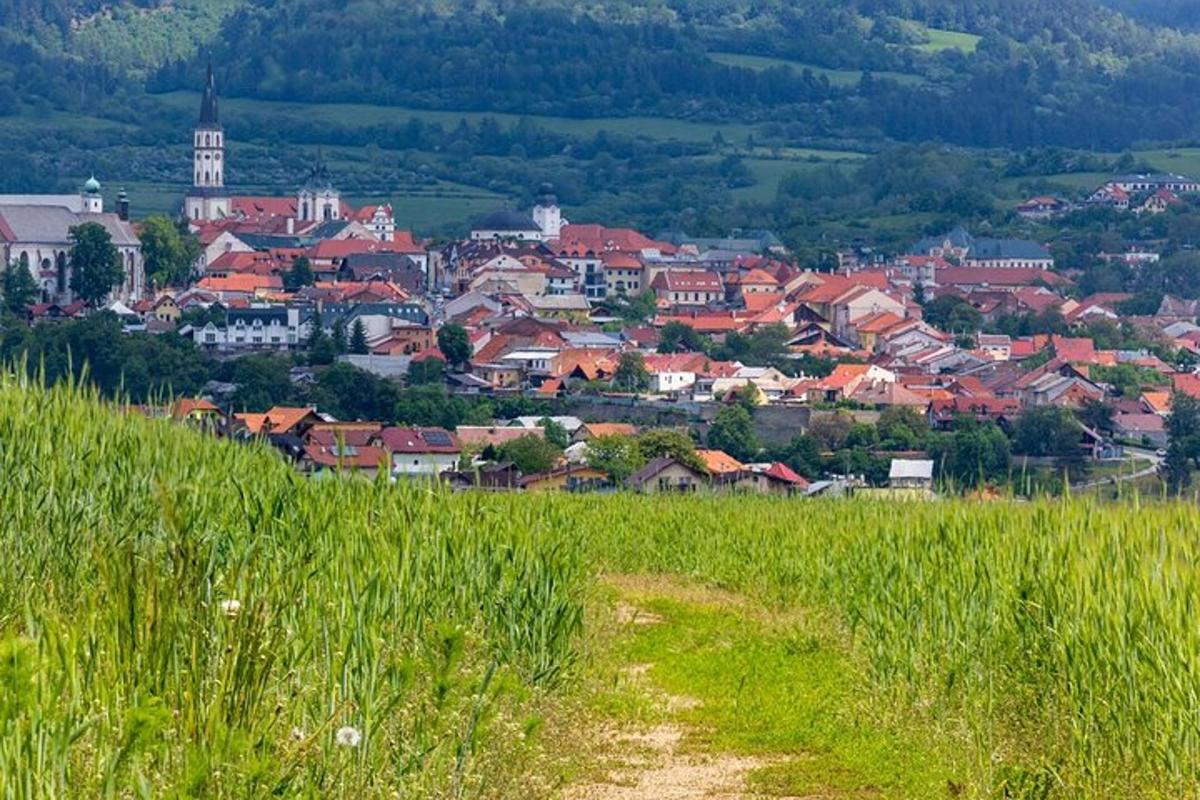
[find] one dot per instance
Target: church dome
(92, 186)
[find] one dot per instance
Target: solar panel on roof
(438, 439)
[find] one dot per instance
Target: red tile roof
(419, 440)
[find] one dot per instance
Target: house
(569, 478)
(280, 420)
(971, 251)
(776, 478)
(259, 328)
(846, 378)
(506, 224)
(688, 287)
(594, 430)
(1043, 207)
(910, 474)
(666, 475)
(486, 477)
(997, 346)
(340, 457)
(718, 462)
(1147, 429)
(198, 411)
(420, 451)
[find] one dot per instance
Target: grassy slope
(837, 77)
(1031, 650)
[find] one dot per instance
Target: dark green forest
(981, 91)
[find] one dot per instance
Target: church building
(37, 228)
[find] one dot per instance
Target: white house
(265, 328)
(420, 452)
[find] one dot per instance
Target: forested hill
(973, 72)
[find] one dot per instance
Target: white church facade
(37, 229)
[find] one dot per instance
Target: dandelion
(347, 736)
(230, 608)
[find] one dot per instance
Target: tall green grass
(183, 618)
(1056, 642)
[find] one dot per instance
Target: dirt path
(650, 764)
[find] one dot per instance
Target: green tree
(631, 374)
(733, 431)
(425, 371)
(530, 454)
(168, 253)
(262, 381)
(667, 443)
(358, 338)
(321, 348)
(675, 337)
(1183, 450)
(556, 434)
(901, 428)
(20, 290)
(952, 314)
(618, 456)
(299, 275)
(455, 345)
(1050, 432)
(95, 263)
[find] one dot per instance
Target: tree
(425, 371)
(1183, 432)
(631, 374)
(530, 454)
(666, 443)
(733, 431)
(168, 253)
(454, 344)
(555, 433)
(358, 338)
(299, 275)
(973, 455)
(1050, 432)
(20, 290)
(952, 314)
(676, 337)
(321, 349)
(262, 381)
(618, 456)
(95, 263)
(831, 430)
(901, 428)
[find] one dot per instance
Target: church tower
(318, 199)
(207, 200)
(547, 214)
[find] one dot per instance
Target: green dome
(92, 186)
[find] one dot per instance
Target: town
(653, 361)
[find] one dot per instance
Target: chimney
(123, 206)
(291, 226)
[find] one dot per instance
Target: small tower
(207, 200)
(547, 214)
(93, 202)
(318, 200)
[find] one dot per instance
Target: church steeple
(208, 104)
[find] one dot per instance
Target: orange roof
(1158, 402)
(185, 407)
(758, 277)
(340, 248)
(253, 422)
(595, 429)
(248, 283)
(279, 419)
(1187, 383)
(877, 323)
(718, 462)
(1074, 349)
(843, 374)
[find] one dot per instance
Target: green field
(837, 77)
(360, 114)
(949, 40)
(186, 618)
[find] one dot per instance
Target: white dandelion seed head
(347, 736)
(230, 608)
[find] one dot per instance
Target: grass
(940, 39)
(365, 115)
(836, 77)
(1024, 650)
(782, 687)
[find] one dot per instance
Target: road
(1151, 458)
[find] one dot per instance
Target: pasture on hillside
(182, 617)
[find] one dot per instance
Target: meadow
(187, 618)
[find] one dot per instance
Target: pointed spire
(208, 104)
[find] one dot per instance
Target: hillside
(183, 617)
